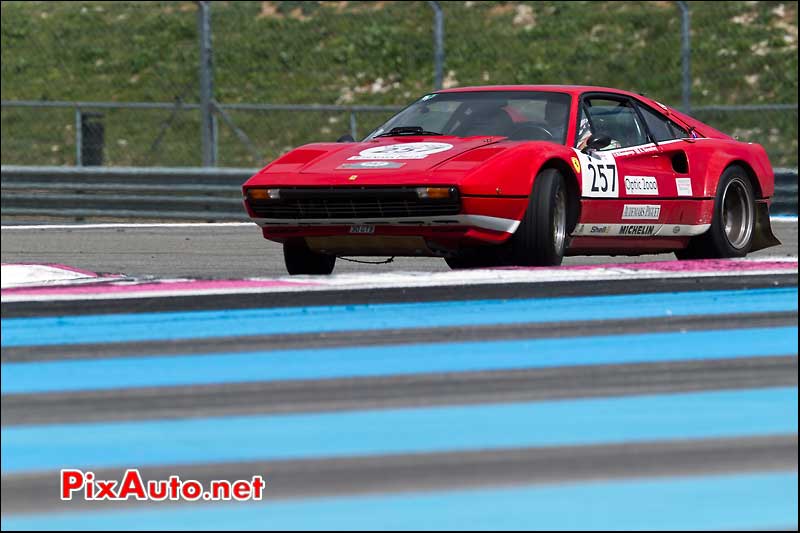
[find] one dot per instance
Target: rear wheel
(300, 259)
(732, 227)
(541, 237)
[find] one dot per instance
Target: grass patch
(370, 53)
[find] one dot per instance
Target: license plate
(362, 228)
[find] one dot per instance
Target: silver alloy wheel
(737, 213)
(560, 222)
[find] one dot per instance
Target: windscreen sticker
(599, 178)
(374, 165)
(402, 151)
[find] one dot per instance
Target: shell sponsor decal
(419, 150)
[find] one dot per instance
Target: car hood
(380, 158)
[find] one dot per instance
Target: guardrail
(201, 194)
(785, 200)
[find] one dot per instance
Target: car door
(630, 170)
(667, 133)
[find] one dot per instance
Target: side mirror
(597, 142)
(346, 138)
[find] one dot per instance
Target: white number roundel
(403, 151)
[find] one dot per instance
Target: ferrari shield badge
(576, 164)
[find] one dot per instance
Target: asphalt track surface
(228, 252)
(674, 419)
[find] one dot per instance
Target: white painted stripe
(31, 275)
(480, 221)
(126, 225)
(504, 224)
(437, 279)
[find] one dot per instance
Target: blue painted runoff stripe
(717, 414)
(222, 323)
(757, 501)
(372, 361)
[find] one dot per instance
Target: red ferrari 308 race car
(518, 175)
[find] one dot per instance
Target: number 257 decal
(600, 181)
(599, 175)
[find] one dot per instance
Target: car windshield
(517, 115)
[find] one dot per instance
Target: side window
(660, 127)
(616, 119)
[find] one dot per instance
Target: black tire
(733, 224)
(300, 259)
(540, 239)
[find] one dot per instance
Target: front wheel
(541, 238)
(300, 259)
(733, 224)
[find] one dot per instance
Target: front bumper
(474, 221)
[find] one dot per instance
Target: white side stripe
(591, 229)
(507, 225)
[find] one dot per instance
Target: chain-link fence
(238, 83)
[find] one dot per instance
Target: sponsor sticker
(637, 229)
(644, 212)
(684, 186)
(373, 165)
(599, 178)
(602, 230)
(419, 150)
(576, 164)
(641, 185)
(362, 229)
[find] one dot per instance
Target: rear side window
(660, 127)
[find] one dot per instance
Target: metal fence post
(686, 56)
(208, 119)
(353, 125)
(78, 138)
(438, 45)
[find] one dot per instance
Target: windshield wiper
(407, 130)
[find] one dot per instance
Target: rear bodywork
(363, 198)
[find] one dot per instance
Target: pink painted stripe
(166, 286)
(708, 265)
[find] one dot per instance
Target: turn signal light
(264, 194)
(433, 193)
